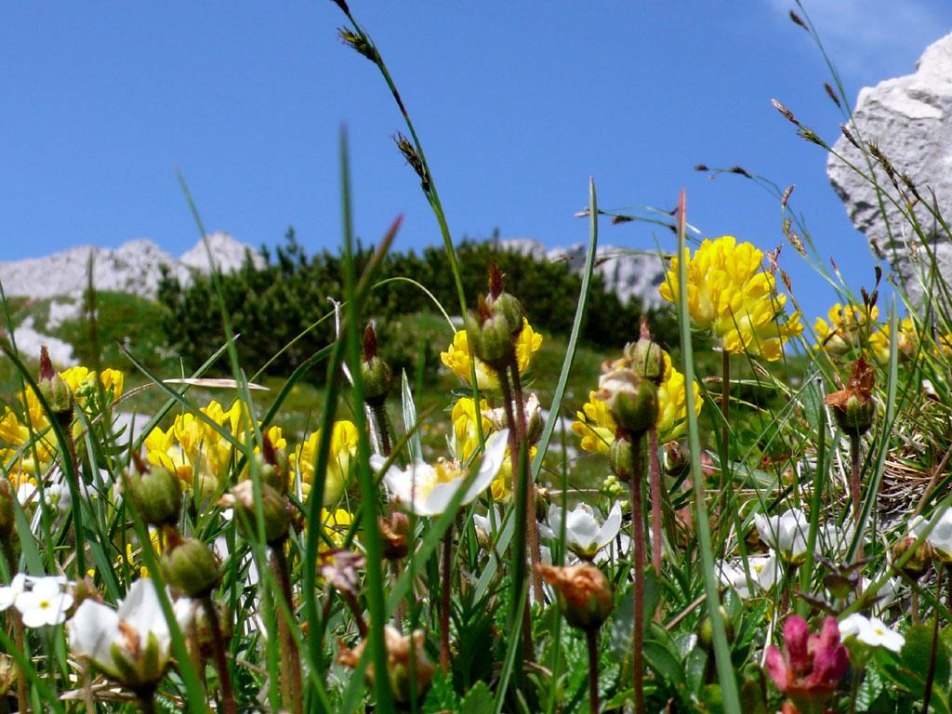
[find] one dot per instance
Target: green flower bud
(856, 417)
(918, 563)
(191, 568)
(647, 359)
(586, 597)
(509, 307)
(54, 390)
(375, 374)
(621, 459)
(631, 400)
(706, 633)
(157, 494)
(491, 339)
(277, 519)
(676, 459)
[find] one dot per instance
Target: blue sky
(517, 105)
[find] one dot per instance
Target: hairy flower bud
(918, 563)
(621, 459)
(491, 338)
(157, 494)
(646, 359)
(54, 390)
(401, 649)
(854, 406)
(631, 400)
(375, 374)
(191, 568)
(586, 597)
(277, 520)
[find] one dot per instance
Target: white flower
(45, 603)
(940, 537)
(765, 572)
(427, 490)
(834, 540)
(584, 536)
(132, 644)
(787, 534)
(884, 596)
(871, 631)
(9, 593)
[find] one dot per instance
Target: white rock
(910, 119)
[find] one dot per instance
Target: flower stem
(445, 600)
(591, 635)
(291, 677)
(218, 645)
(655, 470)
(930, 674)
(380, 428)
(532, 530)
(725, 406)
(855, 487)
(638, 537)
(19, 639)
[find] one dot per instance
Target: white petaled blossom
(940, 537)
(45, 603)
(40, 600)
(9, 593)
(834, 540)
(765, 572)
(871, 631)
(427, 490)
(130, 644)
(786, 534)
(584, 535)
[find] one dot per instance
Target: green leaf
(477, 700)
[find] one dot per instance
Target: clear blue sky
(517, 104)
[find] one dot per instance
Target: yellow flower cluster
(596, 428)
(27, 448)
(457, 357)
(731, 294)
(848, 330)
(343, 452)
(198, 452)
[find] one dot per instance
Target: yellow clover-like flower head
(457, 357)
(731, 294)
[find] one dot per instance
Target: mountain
(133, 267)
(625, 271)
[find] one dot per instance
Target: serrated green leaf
(477, 700)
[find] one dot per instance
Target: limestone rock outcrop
(909, 119)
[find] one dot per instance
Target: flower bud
(586, 597)
(491, 339)
(191, 568)
(54, 390)
(676, 459)
(509, 307)
(394, 534)
(157, 494)
(646, 359)
(400, 650)
(376, 375)
(918, 563)
(7, 521)
(621, 459)
(277, 520)
(706, 633)
(631, 400)
(856, 417)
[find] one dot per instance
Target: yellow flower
(501, 487)
(465, 438)
(335, 525)
(596, 428)
(907, 341)
(673, 403)
(342, 453)
(848, 328)
(457, 357)
(731, 294)
(82, 383)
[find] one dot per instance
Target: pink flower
(810, 666)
